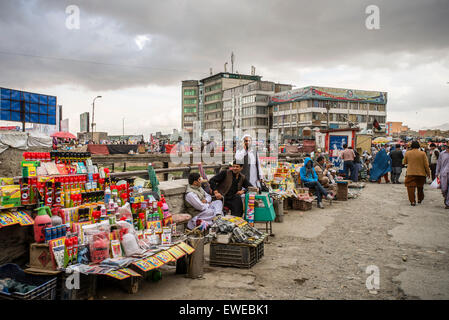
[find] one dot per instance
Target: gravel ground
(324, 254)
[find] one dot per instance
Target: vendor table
(263, 213)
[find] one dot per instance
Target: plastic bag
(98, 246)
(436, 184)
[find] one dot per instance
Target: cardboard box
(40, 257)
(10, 196)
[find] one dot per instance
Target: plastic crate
(260, 250)
(46, 285)
(232, 255)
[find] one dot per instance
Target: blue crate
(45, 285)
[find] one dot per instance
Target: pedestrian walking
(396, 164)
(433, 159)
(380, 167)
(417, 171)
(442, 172)
(348, 157)
(357, 166)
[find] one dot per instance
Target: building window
(189, 118)
(262, 110)
(212, 97)
(213, 87)
(189, 110)
(189, 92)
(212, 106)
(249, 99)
(262, 121)
(342, 105)
(190, 101)
(354, 106)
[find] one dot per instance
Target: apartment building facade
(202, 100)
(190, 103)
(395, 128)
(246, 107)
(317, 107)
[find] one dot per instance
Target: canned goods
(54, 233)
(64, 230)
(48, 234)
(60, 229)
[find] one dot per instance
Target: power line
(96, 62)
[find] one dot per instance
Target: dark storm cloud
(188, 37)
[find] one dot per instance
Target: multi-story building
(246, 107)
(320, 107)
(214, 88)
(395, 128)
(202, 100)
(190, 104)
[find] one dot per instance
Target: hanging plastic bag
(436, 184)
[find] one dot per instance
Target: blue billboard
(25, 106)
(335, 148)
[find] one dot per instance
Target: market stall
(85, 222)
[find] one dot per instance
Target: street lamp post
(93, 115)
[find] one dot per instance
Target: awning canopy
(63, 135)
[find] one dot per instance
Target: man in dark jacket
(396, 163)
(229, 184)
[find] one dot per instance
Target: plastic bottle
(107, 195)
(103, 211)
(49, 194)
(41, 222)
(25, 191)
(69, 247)
(114, 193)
(58, 193)
(56, 220)
(75, 249)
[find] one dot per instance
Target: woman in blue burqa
(381, 167)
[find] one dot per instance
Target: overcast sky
(136, 53)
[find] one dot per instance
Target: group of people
(421, 164)
(205, 200)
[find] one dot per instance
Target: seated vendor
(322, 170)
(229, 184)
(199, 204)
(310, 180)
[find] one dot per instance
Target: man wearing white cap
(251, 162)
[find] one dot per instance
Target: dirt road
(323, 254)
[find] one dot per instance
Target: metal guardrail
(185, 170)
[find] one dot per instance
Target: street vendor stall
(84, 222)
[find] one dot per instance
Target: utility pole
(123, 126)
